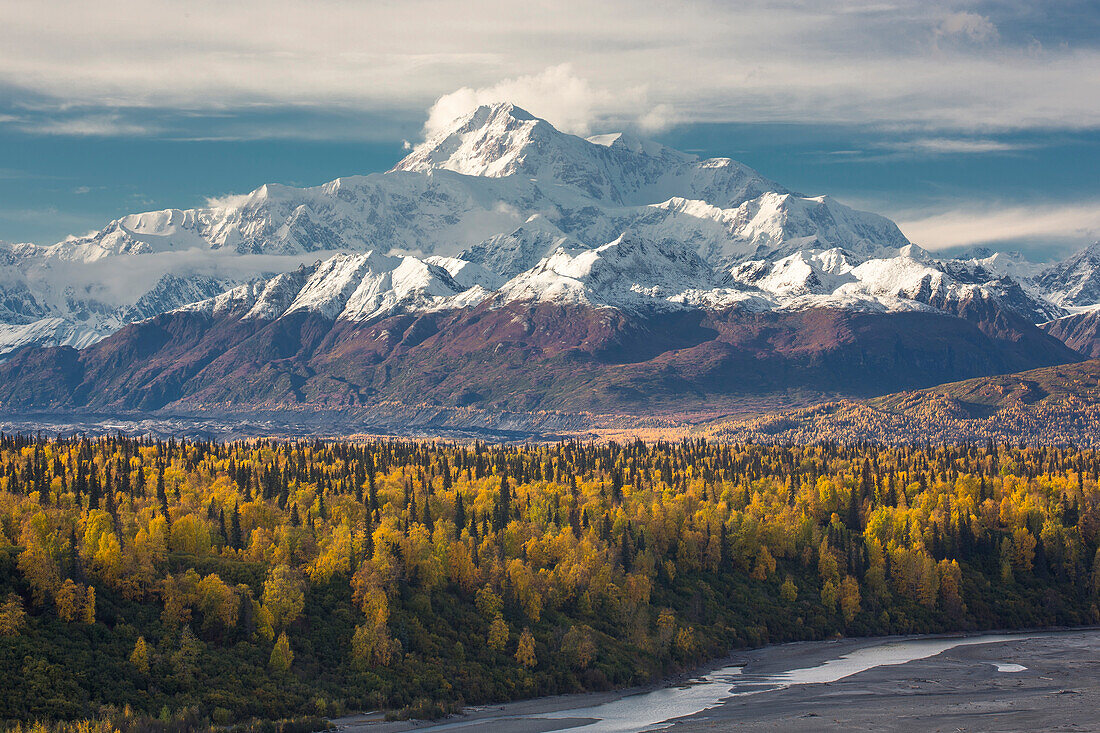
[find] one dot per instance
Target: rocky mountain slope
(1075, 281)
(1079, 331)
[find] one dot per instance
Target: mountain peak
(1092, 251)
(501, 109)
(632, 144)
(496, 118)
(501, 140)
(1075, 281)
(491, 140)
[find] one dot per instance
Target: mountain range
(505, 266)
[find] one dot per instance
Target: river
(770, 670)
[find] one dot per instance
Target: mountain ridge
(1057, 405)
(510, 266)
(521, 355)
(507, 222)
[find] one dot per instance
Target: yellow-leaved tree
(281, 655)
(765, 565)
(89, 606)
(685, 645)
(525, 650)
(788, 591)
(140, 656)
(371, 644)
(219, 603)
(283, 596)
(578, 647)
(69, 600)
(849, 598)
(190, 535)
(12, 615)
(498, 634)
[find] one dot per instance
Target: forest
(188, 583)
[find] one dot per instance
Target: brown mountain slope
(521, 357)
(1059, 404)
(1080, 332)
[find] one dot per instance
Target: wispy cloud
(980, 223)
(228, 201)
(926, 147)
(933, 64)
(94, 125)
(955, 146)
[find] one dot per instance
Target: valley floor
(1044, 682)
(962, 689)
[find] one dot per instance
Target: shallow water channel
(655, 709)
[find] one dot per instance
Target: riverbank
(1043, 683)
(896, 683)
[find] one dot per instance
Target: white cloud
(972, 26)
(985, 224)
(228, 201)
(911, 62)
(556, 94)
(661, 117)
(122, 280)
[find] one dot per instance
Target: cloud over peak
(556, 94)
(559, 95)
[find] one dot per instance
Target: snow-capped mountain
(501, 208)
(502, 189)
(632, 274)
(503, 141)
(356, 287)
(1074, 282)
(506, 266)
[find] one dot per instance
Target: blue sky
(968, 123)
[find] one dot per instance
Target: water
(651, 709)
(656, 709)
(885, 655)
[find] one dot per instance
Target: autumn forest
(220, 583)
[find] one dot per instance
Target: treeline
(260, 580)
